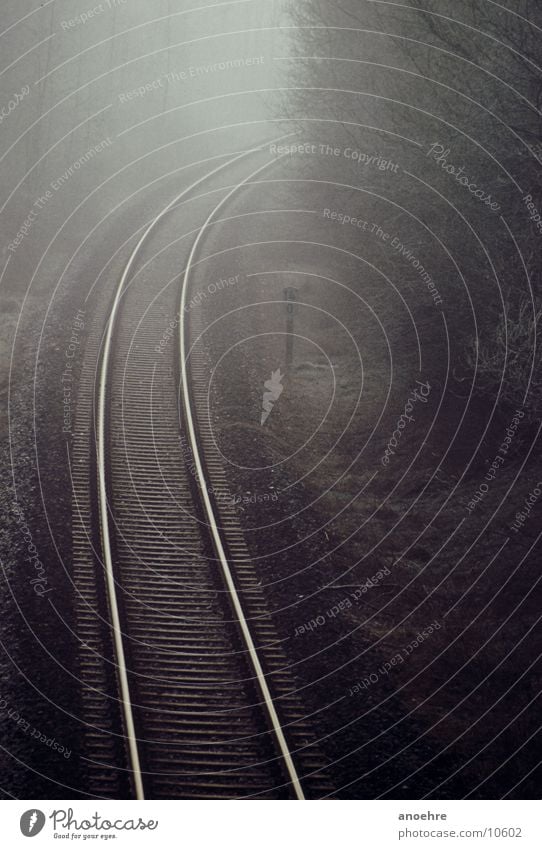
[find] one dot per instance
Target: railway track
(186, 691)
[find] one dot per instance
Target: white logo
(32, 822)
(274, 391)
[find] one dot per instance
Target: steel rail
(209, 509)
(104, 511)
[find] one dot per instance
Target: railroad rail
(186, 691)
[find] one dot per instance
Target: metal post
(290, 296)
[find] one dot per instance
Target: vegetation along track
(186, 692)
